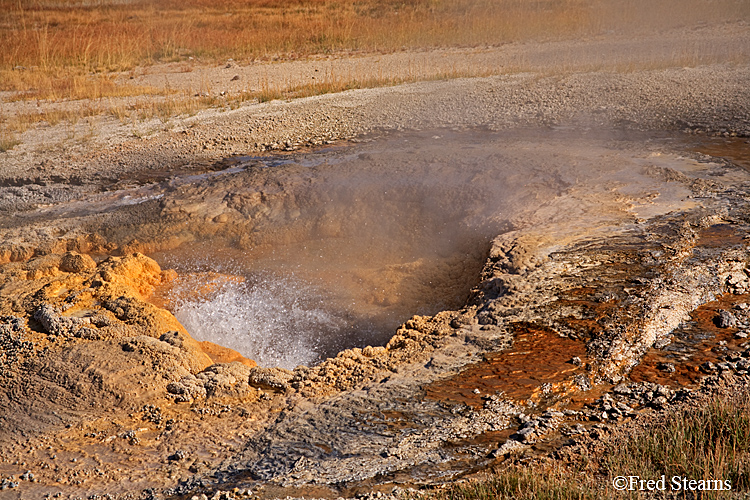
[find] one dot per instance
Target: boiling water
(258, 317)
(330, 250)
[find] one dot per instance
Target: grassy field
(116, 37)
(69, 48)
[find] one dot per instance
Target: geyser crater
(291, 261)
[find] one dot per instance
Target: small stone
(510, 446)
(173, 338)
(477, 391)
(658, 402)
(527, 434)
(725, 319)
(576, 361)
(582, 382)
(273, 379)
(662, 343)
(622, 389)
(666, 367)
(708, 367)
(732, 356)
(73, 262)
(740, 335)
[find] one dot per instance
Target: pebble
(177, 455)
(666, 367)
(725, 319)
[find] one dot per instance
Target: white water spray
(274, 321)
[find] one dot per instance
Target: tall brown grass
(56, 45)
(112, 37)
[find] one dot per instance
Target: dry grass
(331, 83)
(708, 443)
(23, 122)
(165, 107)
(8, 141)
(520, 484)
(711, 442)
(119, 37)
(67, 83)
(58, 45)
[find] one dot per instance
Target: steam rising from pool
(290, 261)
(258, 318)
